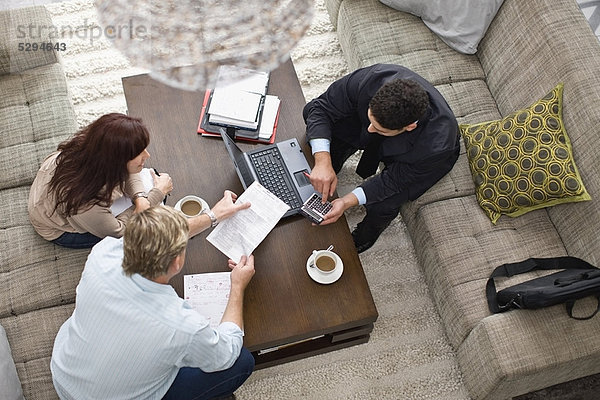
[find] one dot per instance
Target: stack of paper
(269, 117)
(234, 108)
(238, 98)
(239, 102)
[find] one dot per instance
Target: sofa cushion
(524, 161)
(37, 292)
(31, 336)
(370, 33)
(35, 115)
(9, 381)
(459, 248)
(460, 24)
(525, 350)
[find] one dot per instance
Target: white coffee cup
(325, 261)
(190, 206)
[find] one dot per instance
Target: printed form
(240, 234)
(208, 294)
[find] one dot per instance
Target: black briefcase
(578, 279)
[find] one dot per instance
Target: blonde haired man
(132, 337)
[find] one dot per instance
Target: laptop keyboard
(272, 174)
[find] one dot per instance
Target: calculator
(314, 209)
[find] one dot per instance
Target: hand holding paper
(240, 234)
(228, 206)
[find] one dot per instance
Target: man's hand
(224, 209)
(241, 272)
(338, 207)
(322, 176)
(227, 206)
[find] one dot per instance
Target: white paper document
(238, 97)
(240, 234)
(208, 294)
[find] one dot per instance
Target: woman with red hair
(71, 196)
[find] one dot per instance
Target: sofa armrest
(27, 25)
(9, 381)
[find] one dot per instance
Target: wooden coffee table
(287, 315)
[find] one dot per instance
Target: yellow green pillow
(524, 161)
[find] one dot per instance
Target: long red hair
(94, 162)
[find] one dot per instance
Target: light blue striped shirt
(128, 336)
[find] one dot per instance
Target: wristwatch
(211, 215)
(138, 195)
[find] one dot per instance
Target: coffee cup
(326, 261)
(190, 206)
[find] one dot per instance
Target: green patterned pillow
(524, 161)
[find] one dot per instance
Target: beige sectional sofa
(528, 49)
(37, 279)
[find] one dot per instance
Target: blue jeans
(77, 240)
(194, 384)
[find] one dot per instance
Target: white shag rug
(408, 355)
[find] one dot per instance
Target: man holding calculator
(397, 118)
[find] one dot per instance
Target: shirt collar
(148, 285)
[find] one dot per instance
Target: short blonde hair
(152, 239)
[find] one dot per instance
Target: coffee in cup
(190, 206)
(325, 261)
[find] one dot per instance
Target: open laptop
(279, 167)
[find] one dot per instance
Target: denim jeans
(194, 384)
(77, 240)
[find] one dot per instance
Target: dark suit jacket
(414, 161)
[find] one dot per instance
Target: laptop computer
(279, 167)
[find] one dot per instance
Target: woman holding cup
(71, 196)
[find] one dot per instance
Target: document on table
(240, 234)
(208, 294)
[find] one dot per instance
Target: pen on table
(157, 174)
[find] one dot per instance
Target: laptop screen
(237, 155)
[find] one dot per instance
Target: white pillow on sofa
(459, 23)
(10, 386)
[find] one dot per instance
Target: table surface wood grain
(282, 303)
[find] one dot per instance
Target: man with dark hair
(397, 118)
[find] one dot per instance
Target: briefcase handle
(570, 304)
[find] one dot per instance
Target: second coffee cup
(325, 261)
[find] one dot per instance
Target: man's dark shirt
(415, 160)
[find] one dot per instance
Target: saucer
(320, 277)
(205, 205)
